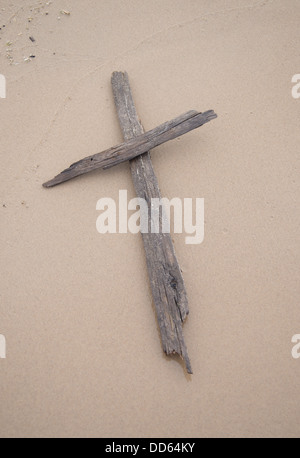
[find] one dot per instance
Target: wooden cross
(167, 285)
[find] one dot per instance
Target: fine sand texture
(83, 351)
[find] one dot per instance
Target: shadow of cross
(167, 285)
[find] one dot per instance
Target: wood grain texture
(167, 285)
(135, 146)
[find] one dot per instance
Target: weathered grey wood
(168, 289)
(136, 146)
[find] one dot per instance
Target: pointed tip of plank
(186, 361)
(189, 370)
(47, 184)
(181, 352)
(182, 357)
(53, 182)
(60, 178)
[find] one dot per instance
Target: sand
(83, 353)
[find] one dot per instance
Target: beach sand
(83, 350)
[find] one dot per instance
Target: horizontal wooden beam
(135, 146)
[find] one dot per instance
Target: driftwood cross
(166, 280)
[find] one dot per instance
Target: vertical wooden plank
(168, 289)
